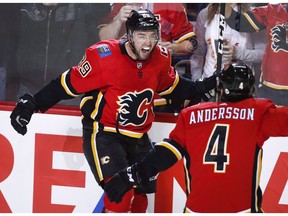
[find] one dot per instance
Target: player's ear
(129, 35)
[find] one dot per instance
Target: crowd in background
(39, 41)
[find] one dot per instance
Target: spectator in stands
(274, 19)
(193, 10)
(260, 41)
(9, 19)
(237, 46)
(53, 38)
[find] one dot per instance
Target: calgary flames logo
(134, 107)
(278, 34)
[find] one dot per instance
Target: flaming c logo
(278, 42)
(134, 107)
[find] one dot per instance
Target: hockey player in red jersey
(119, 80)
(221, 143)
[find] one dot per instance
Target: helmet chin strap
(131, 43)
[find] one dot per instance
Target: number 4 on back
(216, 148)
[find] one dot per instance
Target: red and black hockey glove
(22, 113)
(122, 182)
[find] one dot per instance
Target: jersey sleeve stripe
(275, 86)
(185, 37)
(171, 88)
(172, 148)
(66, 84)
(251, 22)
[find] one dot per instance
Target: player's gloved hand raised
(209, 83)
(206, 87)
(122, 182)
(22, 113)
(208, 95)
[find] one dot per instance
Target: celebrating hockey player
(119, 80)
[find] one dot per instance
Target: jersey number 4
(216, 150)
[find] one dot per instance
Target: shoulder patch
(104, 50)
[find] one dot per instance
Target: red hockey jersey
(120, 90)
(224, 141)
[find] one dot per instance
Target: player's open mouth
(145, 49)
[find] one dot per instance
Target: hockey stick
(220, 49)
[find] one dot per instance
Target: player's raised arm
(43, 100)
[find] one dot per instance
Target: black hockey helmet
(237, 82)
(141, 19)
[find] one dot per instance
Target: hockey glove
(22, 113)
(206, 87)
(208, 95)
(122, 182)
